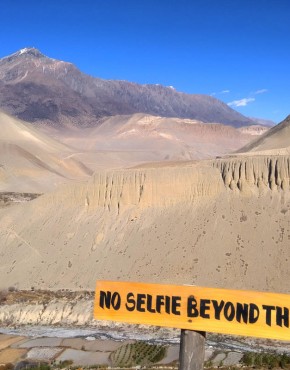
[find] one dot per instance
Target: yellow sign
(237, 312)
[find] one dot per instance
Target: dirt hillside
(218, 223)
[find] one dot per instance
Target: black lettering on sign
(268, 310)
(254, 313)
(229, 311)
(150, 304)
(175, 304)
(204, 306)
(159, 302)
(191, 307)
(282, 318)
(130, 305)
(217, 309)
(167, 304)
(153, 304)
(108, 299)
(242, 312)
(140, 302)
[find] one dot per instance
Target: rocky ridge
(275, 141)
(171, 184)
(37, 88)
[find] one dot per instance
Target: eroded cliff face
(56, 312)
(145, 187)
(168, 185)
(262, 172)
(221, 223)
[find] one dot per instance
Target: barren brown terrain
(156, 224)
(33, 162)
(144, 185)
(219, 222)
(139, 198)
(37, 160)
(157, 138)
(275, 141)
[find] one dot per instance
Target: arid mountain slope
(33, 162)
(151, 138)
(274, 141)
(255, 130)
(263, 122)
(218, 223)
(36, 88)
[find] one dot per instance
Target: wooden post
(191, 353)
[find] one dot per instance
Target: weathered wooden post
(191, 353)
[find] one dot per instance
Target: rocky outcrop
(56, 312)
(170, 185)
(143, 188)
(262, 172)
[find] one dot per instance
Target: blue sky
(236, 50)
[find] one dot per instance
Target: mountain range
(183, 218)
(40, 158)
(39, 89)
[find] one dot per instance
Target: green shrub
(139, 353)
(268, 360)
(38, 367)
(63, 364)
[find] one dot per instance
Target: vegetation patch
(266, 360)
(139, 353)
